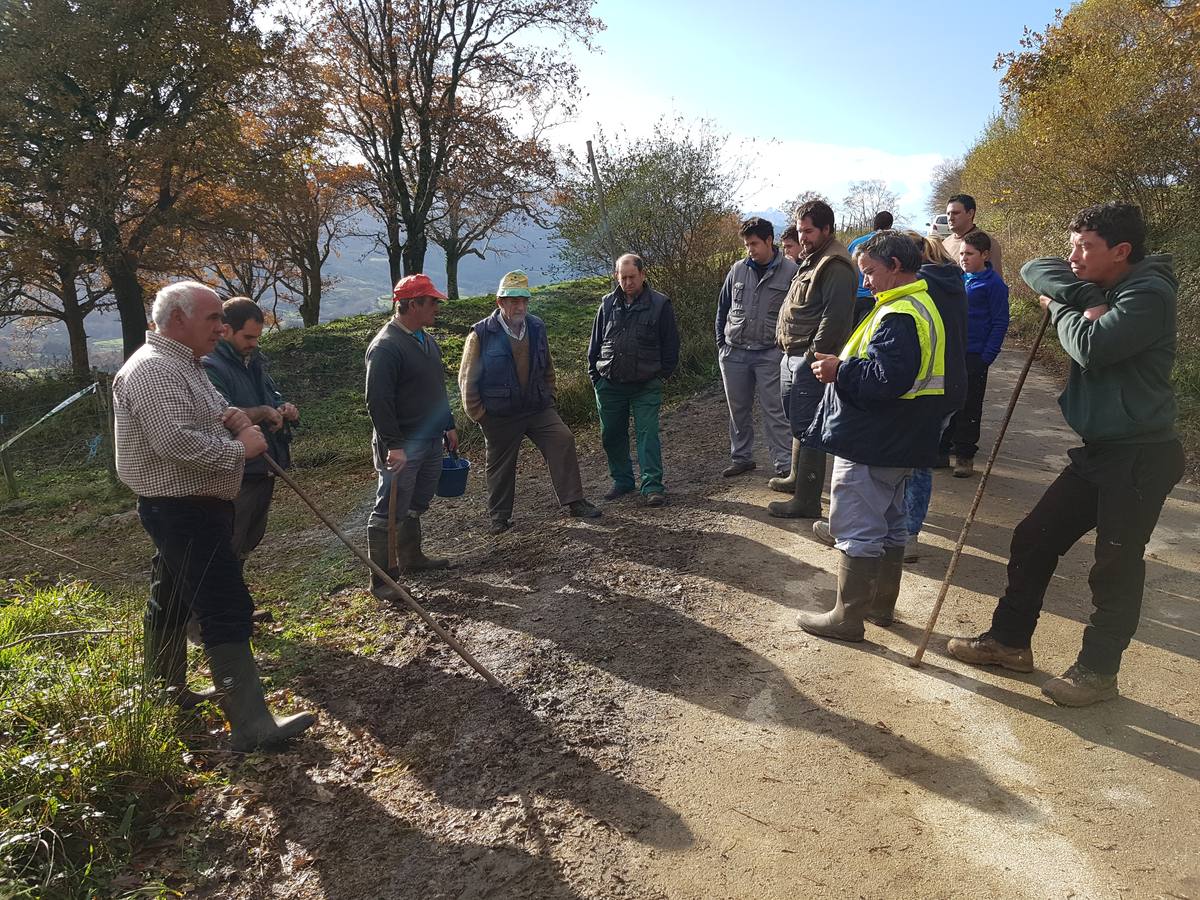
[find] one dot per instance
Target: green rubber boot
(858, 577)
(251, 724)
(806, 497)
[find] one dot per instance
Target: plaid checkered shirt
(167, 419)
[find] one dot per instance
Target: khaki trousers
(553, 439)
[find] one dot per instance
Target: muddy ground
(670, 732)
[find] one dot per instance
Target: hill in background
(361, 277)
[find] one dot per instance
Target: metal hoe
(983, 480)
(385, 577)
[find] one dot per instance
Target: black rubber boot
(882, 610)
(858, 577)
(377, 549)
(787, 484)
(806, 497)
(408, 554)
(166, 660)
(251, 725)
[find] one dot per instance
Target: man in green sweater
(1114, 309)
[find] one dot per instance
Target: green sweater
(1120, 388)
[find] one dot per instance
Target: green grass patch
(88, 754)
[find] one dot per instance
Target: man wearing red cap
(410, 413)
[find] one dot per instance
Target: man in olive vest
(816, 316)
(747, 313)
(634, 347)
(507, 384)
(881, 416)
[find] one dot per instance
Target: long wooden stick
(983, 480)
(385, 577)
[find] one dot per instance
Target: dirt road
(672, 733)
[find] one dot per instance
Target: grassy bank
(87, 757)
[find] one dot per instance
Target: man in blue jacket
(881, 415)
(987, 324)
(634, 347)
(506, 380)
(747, 315)
(238, 369)
(1113, 307)
(864, 300)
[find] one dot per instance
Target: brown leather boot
(987, 651)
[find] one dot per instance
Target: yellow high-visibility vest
(911, 300)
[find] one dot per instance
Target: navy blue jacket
(244, 384)
(861, 417)
(948, 295)
(987, 313)
(499, 388)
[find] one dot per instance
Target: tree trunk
(73, 316)
(414, 250)
(310, 308)
(122, 275)
(452, 274)
(395, 249)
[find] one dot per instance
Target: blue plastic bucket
(453, 482)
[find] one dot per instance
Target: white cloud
(785, 168)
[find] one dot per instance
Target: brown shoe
(1080, 686)
(964, 467)
(984, 651)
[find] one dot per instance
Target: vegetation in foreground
(88, 755)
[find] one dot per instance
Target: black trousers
(195, 569)
(1118, 489)
(962, 434)
(250, 513)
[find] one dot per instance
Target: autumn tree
(944, 181)
(308, 216)
(138, 103)
(863, 200)
(671, 198)
(480, 199)
(793, 206)
(401, 73)
(48, 274)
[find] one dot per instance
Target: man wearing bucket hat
(507, 384)
(410, 414)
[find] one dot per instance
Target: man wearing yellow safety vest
(881, 416)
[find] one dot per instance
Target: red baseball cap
(413, 287)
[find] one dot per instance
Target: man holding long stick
(1114, 309)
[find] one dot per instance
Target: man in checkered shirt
(181, 449)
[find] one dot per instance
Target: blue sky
(841, 91)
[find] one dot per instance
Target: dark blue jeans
(195, 569)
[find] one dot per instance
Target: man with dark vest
(238, 369)
(816, 316)
(410, 415)
(634, 347)
(507, 384)
(747, 313)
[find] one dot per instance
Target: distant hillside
(361, 278)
